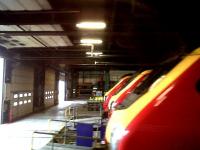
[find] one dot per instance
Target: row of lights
(92, 42)
(22, 95)
(21, 102)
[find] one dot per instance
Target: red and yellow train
(167, 117)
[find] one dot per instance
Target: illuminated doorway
(61, 95)
(1, 86)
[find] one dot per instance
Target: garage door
(20, 92)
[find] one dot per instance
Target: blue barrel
(85, 130)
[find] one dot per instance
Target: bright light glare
(91, 25)
(86, 44)
(94, 53)
(61, 95)
(1, 84)
(15, 104)
(91, 41)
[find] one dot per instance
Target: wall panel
(49, 88)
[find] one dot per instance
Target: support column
(57, 74)
(39, 81)
(68, 83)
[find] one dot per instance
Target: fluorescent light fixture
(91, 25)
(86, 44)
(94, 53)
(91, 41)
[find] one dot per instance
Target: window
(126, 83)
(143, 87)
(20, 95)
(21, 102)
(15, 104)
(15, 95)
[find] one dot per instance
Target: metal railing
(65, 135)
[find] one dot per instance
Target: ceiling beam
(65, 33)
(122, 59)
(61, 48)
(74, 50)
(55, 17)
(38, 17)
(71, 49)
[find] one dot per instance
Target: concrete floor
(18, 135)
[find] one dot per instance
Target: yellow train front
(165, 118)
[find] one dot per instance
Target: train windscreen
(143, 87)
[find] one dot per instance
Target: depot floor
(18, 135)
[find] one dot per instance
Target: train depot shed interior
(99, 74)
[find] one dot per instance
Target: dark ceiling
(139, 32)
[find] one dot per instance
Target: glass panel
(15, 95)
(143, 87)
(126, 83)
(15, 104)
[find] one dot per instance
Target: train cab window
(126, 83)
(198, 86)
(143, 87)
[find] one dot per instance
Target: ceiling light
(94, 53)
(86, 44)
(91, 41)
(91, 25)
